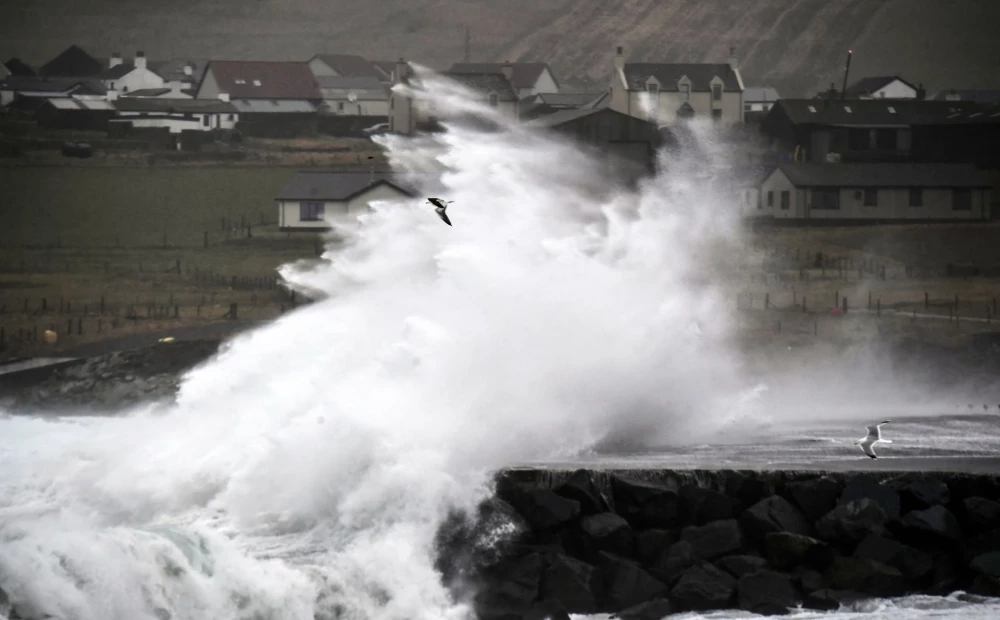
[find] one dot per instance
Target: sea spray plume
(312, 463)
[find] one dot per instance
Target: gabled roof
(4, 71)
(367, 88)
(350, 65)
(89, 105)
(668, 74)
(274, 106)
(883, 112)
(385, 67)
(264, 79)
(72, 62)
(886, 175)
(566, 100)
(868, 85)
(524, 74)
(190, 106)
(760, 94)
(565, 116)
(173, 70)
(19, 83)
(324, 185)
(117, 71)
(18, 67)
(146, 92)
(485, 83)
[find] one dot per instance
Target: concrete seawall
(644, 544)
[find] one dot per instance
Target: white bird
(874, 437)
(439, 206)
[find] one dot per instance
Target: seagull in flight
(874, 437)
(439, 206)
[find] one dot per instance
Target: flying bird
(439, 206)
(874, 437)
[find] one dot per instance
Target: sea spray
(307, 469)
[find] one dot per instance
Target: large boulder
(714, 540)
(867, 487)
(511, 589)
(917, 491)
(980, 513)
(645, 505)
(656, 609)
(582, 488)
(865, 576)
(651, 544)
(619, 584)
(987, 564)
(773, 514)
(546, 610)
(830, 600)
(672, 562)
(814, 497)
(545, 510)
(936, 520)
(605, 531)
(913, 564)
(852, 521)
(700, 506)
(703, 587)
(786, 550)
(568, 581)
(767, 593)
(739, 565)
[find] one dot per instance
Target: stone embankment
(646, 544)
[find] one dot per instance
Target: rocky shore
(645, 544)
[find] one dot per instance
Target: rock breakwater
(645, 544)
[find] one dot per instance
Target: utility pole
(468, 46)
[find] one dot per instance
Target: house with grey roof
(354, 96)
(125, 77)
(883, 87)
(542, 104)
(670, 92)
(72, 62)
(315, 200)
(344, 65)
(757, 100)
(876, 192)
(526, 78)
(29, 92)
(180, 76)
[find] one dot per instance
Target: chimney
(921, 93)
(508, 70)
(116, 59)
(734, 62)
(140, 60)
(401, 72)
(223, 96)
(619, 58)
(189, 68)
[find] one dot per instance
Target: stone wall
(645, 544)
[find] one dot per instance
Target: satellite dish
(352, 97)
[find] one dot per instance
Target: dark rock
(643, 504)
(829, 600)
(650, 544)
(987, 564)
(739, 565)
(816, 497)
(620, 584)
(767, 592)
(981, 513)
(774, 514)
(608, 532)
(468, 543)
(546, 610)
(913, 564)
(974, 486)
(700, 506)
(852, 521)
(713, 540)
(936, 520)
(810, 580)
(746, 491)
(656, 609)
(983, 542)
(983, 585)
(544, 509)
(512, 589)
(867, 487)
(786, 550)
(917, 492)
(674, 561)
(703, 587)
(568, 581)
(866, 576)
(582, 488)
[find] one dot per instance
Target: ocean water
(304, 472)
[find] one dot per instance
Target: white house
(882, 87)
(876, 192)
(526, 78)
(176, 114)
(354, 96)
(668, 92)
(320, 201)
(125, 78)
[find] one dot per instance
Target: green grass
(130, 207)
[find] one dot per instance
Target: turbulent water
(304, 472)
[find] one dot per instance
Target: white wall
(136, 79)
(209, 86)
(176, 125)
(320, 68)
(336, 102)
(772, 188)
(667, 103)
(338, 214)
(895, 90)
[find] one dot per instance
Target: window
(232, 117)
(961, 200)
(828, 199)
(653, 89)
(340, 106)
(886, 139)
(916, 197)
(494, 99)
(747, 107)
(205, 120)
(812, 109)
(716, 92)
(256, 82)
(311, 211)
(871, 197)
(786, 199)
(770, 198)
(716, 114)
(240, 81)
(685, 92)
(111, 85)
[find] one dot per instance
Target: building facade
(323, 201)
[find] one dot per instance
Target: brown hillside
(796, 45)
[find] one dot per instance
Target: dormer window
(494, 100)
(847, 109)
(256, 82)
(812, 109)
(240, 81)
(892, 110)
(716, 92)
(653, 89)
(685, 91)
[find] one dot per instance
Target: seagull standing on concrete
(874, 437)
(439, 206)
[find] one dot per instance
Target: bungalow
(175, 114)
(321, 201)
(875, 192)
(30, 92)
(668, 92)
(882, 87)
(126, 78)
(541, 104)
(354, 96)
(73, 113)
(526, 78)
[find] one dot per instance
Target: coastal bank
(644, 544)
